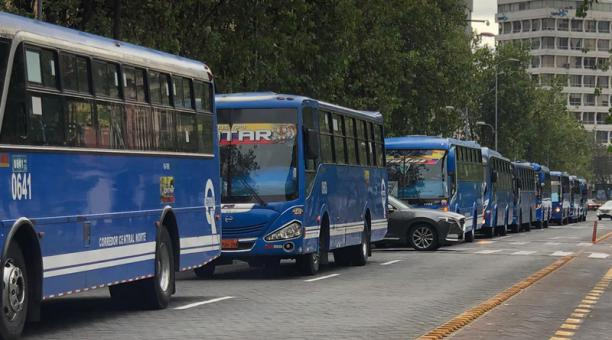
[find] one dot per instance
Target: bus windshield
(416, 174)
(556, 191)
(258, 155)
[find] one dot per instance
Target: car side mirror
(311, 145)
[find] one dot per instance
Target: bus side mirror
(311, 145)
(494, 177)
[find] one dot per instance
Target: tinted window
(41, 67)
(80, 130)
(106, 79)
(111, 123)
(75, 73)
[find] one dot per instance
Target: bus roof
(45, 34)
(426, 143)
(539, 167)
(559, 173)
(488, 153)
(521, 164)
(278, 100)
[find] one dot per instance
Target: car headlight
(291, 230)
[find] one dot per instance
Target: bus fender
(172, 228)
(33, 258)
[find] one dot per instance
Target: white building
(562, 44)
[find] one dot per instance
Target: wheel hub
(163, 266)
(14, 294)
(422, 237)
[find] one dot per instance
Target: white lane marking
(524, 252)
(552, 243)
(599, 256)
(321, 278)
(562, 253)
(503, 237)
(519, 243)
(196, 304)
(585, 244)
(390, 262)
(488, 251)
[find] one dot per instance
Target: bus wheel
(309, 264)
(538, 224)
(341, 257)
(205, 272)
(155, 292)
(489, 232)
(15, 295)
(359, 253)
(503, 230)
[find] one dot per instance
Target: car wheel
(423, 237)
(469, 237)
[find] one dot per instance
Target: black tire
(539, 225)
(17, 292)
(599, 218)
(205, 272)
(545, 224)
(503, 230)
(424, 237)
(489, 232)
(309, 264)
(359, 253)
(515, 228)
(154, 292)
(468, 237)
(341, 257)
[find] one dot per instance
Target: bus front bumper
(256, 246)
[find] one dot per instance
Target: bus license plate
(229, 244)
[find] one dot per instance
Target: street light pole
(496, 82)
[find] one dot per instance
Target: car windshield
(258, 155)
(398, 204)
(416, 173)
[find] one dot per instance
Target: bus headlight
(557, 209)
(291, 230)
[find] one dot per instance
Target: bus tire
(16, 296)
(489, 232)
(359, 253)
(154, 292)
(503, 230)
(308, 264)
(341, 258)
(205, 272)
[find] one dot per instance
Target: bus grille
(248, 231)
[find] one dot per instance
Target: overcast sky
(485, 10)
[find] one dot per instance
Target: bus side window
(351, 140)
(327, 146)
(339, 147)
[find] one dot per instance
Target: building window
(562, 61)
(575, 99)
(588, 81)
(603, 101)
(576, 62)
(576, 25)
(507, 27)
(590, 26)
(590, 44)
(548, 61)
(535, 43)
(548, 24)
(535, 25)
(526, 25)
(601, 137)
(548, 42)
(575, 80)
(603, 45)
(547, 79)
(603, 26)
(535, 61)
(590, 62)
(602, 81)
(563, 24)
(589, 100)
(578, 116)
(516, 27)
(576, 44)
(562, 43)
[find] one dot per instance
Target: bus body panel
(575, 199)
(560, 196)
(97, 216)
(498, 198)
(543, 193)
(525, 194)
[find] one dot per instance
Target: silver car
(605, 210)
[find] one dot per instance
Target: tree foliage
(410, 59)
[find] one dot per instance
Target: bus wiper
(253, 192)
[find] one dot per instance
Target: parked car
(422, 229)
(592, 204)
(605, 210)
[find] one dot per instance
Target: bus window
(154, 88)
(47, 126)
(111, 123)
(186, 126)
(80, 129)
(339, 148)
(106, 79)
(164, 80)
(205, 133)
(351, 148)
(129, 83)
(41, 67)
(182, 92)
(75, 73)
(327, 148)
(363, 157)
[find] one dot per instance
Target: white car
(605, 210)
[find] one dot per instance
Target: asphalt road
(399, 294)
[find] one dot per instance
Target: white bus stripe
(100, 265)
(199, 250)
(105, 254)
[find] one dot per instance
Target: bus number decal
(21, 186)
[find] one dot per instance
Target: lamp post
(496, 83)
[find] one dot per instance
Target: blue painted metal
(498, 198)
(343, 195)
(560, 196)
(543, 194)
(525, 196)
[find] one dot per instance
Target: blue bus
(560, 196)
(498, 194)
(110, 169)
(543, 196)
(525, 179)
(300, 178)
(575, 199)
(438, 173)
(584, 195)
